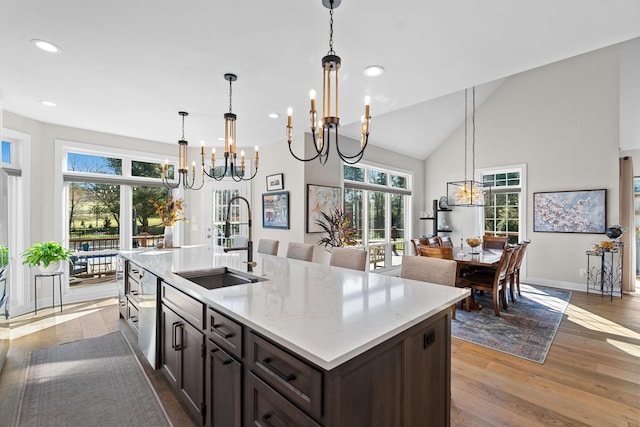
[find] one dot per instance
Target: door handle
(179, 347)
(173, 334)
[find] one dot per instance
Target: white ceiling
(128, 67)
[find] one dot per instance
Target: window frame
(389, 190)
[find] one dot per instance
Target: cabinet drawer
(189, 308)
(225, 332)
(267, 408)
(135, 272)
(293, 378)
(133, 316)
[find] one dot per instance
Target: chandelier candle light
(230, 155)
(468, 192)
(330, 120)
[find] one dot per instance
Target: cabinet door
(427, 355)
(191, 376)
(170, 357)
(224, 388)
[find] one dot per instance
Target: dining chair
(240, 241)
(355, 259)
(446, 241)
(432, 270)
(416, 246)
(494, 242)
(301, 251)
(495, 283)
(434, 241)
(516, 276)
(511, 269)
(268, 246)
(441, 252)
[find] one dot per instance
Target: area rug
(525, 330)
(91, 382)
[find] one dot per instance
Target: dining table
(479, 258)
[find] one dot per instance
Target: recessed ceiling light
(46, 46)
(274, 115)
(47, 103)
(373, 70)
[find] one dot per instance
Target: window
(6, 152)
(379, 208)
(503, 208)
(107, 206)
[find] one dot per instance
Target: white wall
(562, 121)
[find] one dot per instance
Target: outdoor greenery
(338, 228)
(97, 206)
(4, 256)
(45, 253)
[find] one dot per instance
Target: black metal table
(606, 277)
(53, 275)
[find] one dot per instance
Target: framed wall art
(275, 210)
(581, 211)
(321, 199)
(275, 182)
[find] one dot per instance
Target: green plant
(4, 256)
(43, 254)
(338, 228)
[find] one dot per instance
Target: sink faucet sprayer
(227, 233)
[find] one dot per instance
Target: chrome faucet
(227, 233)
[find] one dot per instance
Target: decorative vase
(168, 236)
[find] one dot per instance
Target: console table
(605, 276)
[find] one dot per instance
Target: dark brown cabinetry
(224, 371)
(247, 379)
(183, 347)
(223, 388)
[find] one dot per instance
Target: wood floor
(591, 376)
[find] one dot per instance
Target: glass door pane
(94, 232)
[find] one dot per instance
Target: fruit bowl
(474, 242)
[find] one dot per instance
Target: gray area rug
(525, 330)
(91, 382)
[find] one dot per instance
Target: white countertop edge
(331, 364)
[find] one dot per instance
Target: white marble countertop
(325, 314)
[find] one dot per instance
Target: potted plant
(338, 228)
(46, 255)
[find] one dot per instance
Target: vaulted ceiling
(128, 67)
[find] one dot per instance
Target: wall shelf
(434, 218)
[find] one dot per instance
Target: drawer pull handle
(265, 420)
(278, 372)
(214, 329)
(134, 292)
(222, 360)
(134, 319)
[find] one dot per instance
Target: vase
(168, 236)
(51, 268)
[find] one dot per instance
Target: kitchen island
(309, 344)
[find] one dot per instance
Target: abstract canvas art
(583, 211)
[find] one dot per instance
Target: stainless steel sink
(214, 278)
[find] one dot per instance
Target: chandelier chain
(331, 51)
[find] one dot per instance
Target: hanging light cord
(230, 93)
(331, 51)
(473, 136)
(465, 135)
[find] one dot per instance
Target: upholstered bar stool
(268, 246)
(354, 259)
(432, 270)
(301, 251)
